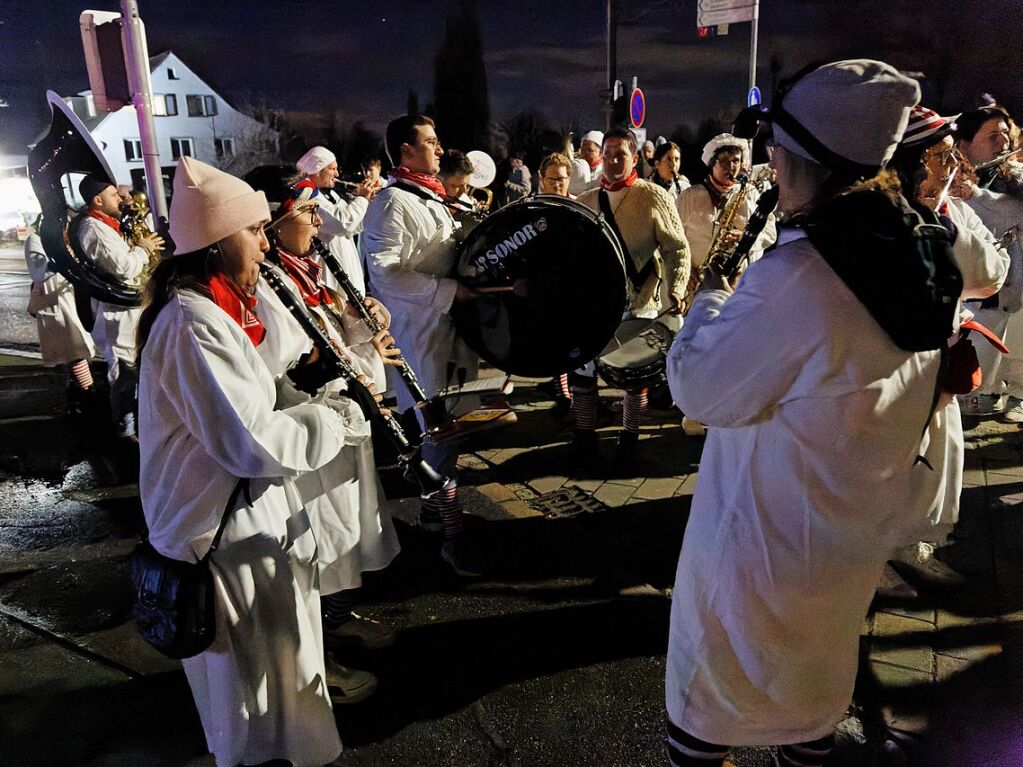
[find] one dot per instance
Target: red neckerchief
(238, 305)
(110, 221)
(306, 273)
(425, 180)
(595, 164)
(717, 196)
(614, 186)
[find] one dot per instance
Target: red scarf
(594, 164)
(306, 273)
(238, 305)
(614, 186)
(425, 180)
(110, 221)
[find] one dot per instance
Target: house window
(165, 105)
(201, 106)
(132, 150)
(171, 74)
(181, 147)
(224, 148)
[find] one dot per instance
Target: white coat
(409, 249)
(584, 177)
(807, 482)
(698, 215)
(984, 266)
(342, 220)
(1003, 373)
(114, 331)
(62, 338)
(206, 416)
(344, 498)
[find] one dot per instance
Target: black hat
(92, 185)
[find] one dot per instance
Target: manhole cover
(566, 502)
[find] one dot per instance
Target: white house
(190, 118)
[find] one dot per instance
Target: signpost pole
(137, 63)
(612, 62)
(753, 45)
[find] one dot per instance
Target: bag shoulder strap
(637, 278)
(243, 484)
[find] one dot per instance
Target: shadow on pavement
(435, 670)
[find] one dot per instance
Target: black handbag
(174, 607)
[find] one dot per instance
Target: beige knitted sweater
(649, 223)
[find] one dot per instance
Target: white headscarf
(315, 160)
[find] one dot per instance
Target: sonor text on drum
(512, 243)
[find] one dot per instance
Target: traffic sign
(637, 108)
(753, 97)
(711, 13)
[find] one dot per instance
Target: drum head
(560, 282)
(636, 355)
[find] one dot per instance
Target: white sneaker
(1014, 414)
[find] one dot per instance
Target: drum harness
(636, 276)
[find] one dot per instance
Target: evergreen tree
(460, 102)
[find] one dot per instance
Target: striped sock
(445, 504)
(82, 374)
(684, 750)
(566, 392)
(633, 409)
(584, 409)
(811, 754)
(337, 607)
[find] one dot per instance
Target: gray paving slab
(34, 663)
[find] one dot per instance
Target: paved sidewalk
(554, 658)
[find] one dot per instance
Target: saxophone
(134, 229)
(730, 263)
(719, 251)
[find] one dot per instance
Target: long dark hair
(187, 271)
(908, 164)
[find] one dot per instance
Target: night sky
(361, 58)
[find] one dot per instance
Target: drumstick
(519, 287)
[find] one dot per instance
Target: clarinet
(766, 204)
(434, 411)
(409, 455)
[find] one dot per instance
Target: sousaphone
(55, 165)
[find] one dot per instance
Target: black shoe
(457, 554)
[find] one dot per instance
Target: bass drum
(554, 283)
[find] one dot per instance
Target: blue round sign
(753, 98)
(637, 108)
